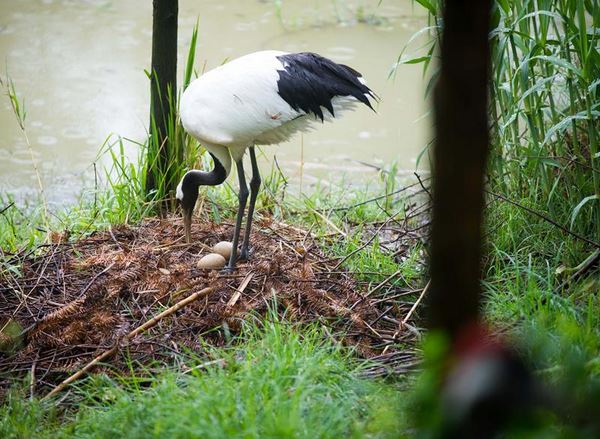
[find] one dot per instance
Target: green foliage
(544, 112)
(19, 226)
(189, 65)
(546, 60)
(425, 404)
(17, 105)
(24, 418)
(545, 105)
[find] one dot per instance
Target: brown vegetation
(76, 300)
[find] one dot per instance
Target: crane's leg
(254, 186)
(242, 197)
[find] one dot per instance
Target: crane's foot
(227, 269)
(245, 253)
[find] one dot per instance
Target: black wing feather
(310, 81)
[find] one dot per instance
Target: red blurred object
(487, 385)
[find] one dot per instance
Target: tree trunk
(460, 156)
(163, 89)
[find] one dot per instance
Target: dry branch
(238, 292)
(404, 321)
(150, 323)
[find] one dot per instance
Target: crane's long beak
(187, 224)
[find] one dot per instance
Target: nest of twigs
(75, 300)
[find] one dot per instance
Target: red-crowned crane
(261, 98)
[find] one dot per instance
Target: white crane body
(261, 99)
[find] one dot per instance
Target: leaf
(428, 5)
(509, 122)
(560, 270)
(539, 85)
(560, 63)
(537, 13)
(580, 205)
(504, 5)
(432, 81)
(409, 42)
(416, 60)
(551, 162)
(593, 85)
(189, 67)
(563, 124)
(430, 55)
(422, 153)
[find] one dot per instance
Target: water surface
(78, 65)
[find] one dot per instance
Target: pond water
(78, 66)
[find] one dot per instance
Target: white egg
(212, 261)
(224, 248)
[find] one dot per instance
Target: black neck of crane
(212, 178)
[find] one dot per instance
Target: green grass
(282, 381)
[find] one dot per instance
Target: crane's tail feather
(310, 83)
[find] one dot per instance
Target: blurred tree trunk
(460, 155)
(163, 89)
